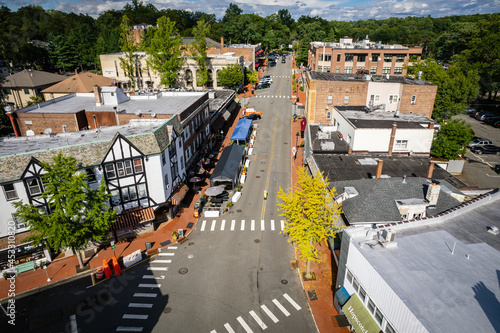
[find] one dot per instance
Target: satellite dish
(48, 131)
(30, 133)
(138, 112)
(153, 115)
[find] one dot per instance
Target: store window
(10, 192)
(398, 70)
(348, 69)
(386, 70)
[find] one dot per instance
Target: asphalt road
(232, 275)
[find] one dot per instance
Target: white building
(437, 274)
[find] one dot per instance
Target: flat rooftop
(328, 76)
(447, 292)
(360, 117)
(169, 102)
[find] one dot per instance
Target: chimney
(97, 95)
(433, 193)
(380, 163)
(349, 152)
(393, 136)
(76, 71)
(430, 170)
(431, 125)
(221, 43)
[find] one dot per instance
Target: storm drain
(168, 309)
(191, 243)
(284, 281)
(257, 240)
(183, 271)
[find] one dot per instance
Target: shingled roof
(30, 78)
(79, 83)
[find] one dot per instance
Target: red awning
(179, 194)
(133, 217)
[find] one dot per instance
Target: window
(328, 115)
(371, 306)
(328, 57)
(141, 188)
(10, 192)
(120, 170)
(393, 99)
(337, 70)
(330, 100)
(346, 99)
(355, 284)
(128, 167)
(26, 91)
(362, 58)
(34, 186)
(338, 57)
(132, 192)
(401, 144)
(400, 57)
(387, 57)
(138, 165)
(180, 143)
(165, 181)
(7, 91)
(374, 99)
(378, 316)
(375, 57)
(125, 195)
(182, 162)
(417, 216)
(349, 57)
(349, 276)
(362, 294)
(398, 70)
(320, 57)
(91, 178)
(389, 328)
(163, 158)
(110, 171)
(413, 99)
(326, 69)
(19, 224)
(373, 70)
(348, 69)
(404, 217)
(386, 70)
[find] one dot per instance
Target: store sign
(359, 317)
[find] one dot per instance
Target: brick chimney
(97, 95)
(221, 43)
(380, 163)
(430, 170)
(393, 136)
(431, 125)
(76, 71)
(433, 193)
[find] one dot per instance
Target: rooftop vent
(493, 230)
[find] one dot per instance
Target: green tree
(35, 100)
(165, 51)
(198, 51)
(452, 139)
(251, 76)
(78, 213)
(231, 76)
(127, 45)
(311, 213)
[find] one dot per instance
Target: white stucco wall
(384, 89)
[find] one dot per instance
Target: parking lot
(478, 169)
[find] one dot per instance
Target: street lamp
(45, 269)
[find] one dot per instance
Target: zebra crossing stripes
(149, 285)
(289, 299)
(269, 313)
(128, 329)
(252, 226)
(148, 295)
(258, 320)
(242, 225)
(281, 307)
(203, 225)
(233, 222)
(229, 328)
(282, 224)
(213, 225)
(262, 225)
(166, 254)
(140, 305)
(244, 324)
(157, 268)
(272, 225)
(160, 261)
(223, 225)
(134, 316)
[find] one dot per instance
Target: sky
(328, 9)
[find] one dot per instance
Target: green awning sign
(359, 317)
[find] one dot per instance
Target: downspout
(10, 114)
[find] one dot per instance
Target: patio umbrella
(214, 191)
(195, 179)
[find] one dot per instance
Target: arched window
(189, 78)
(210, 83)
(218, 80)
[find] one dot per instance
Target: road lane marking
(278, 304)
(295, 305)
(140, 305)
(232, 224)
(282, 224)
(242, 225)
(252, 226)
(157, 268)
(229, 328)
(269, 313)
(269, 168)
(149, 295)
(213, 225)
(149, 285)
(128, 329)
(167, 254)
(172, 247)
(245, 325)
(160, 261)
(203, 225)
(223, 223)
(74, 327)
(258, 320)
(262, 226)
(134, 316)
(213, 331)
(272, 225)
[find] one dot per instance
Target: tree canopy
(78, 213)
(452, 139)
(231, 76)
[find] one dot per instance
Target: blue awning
(242, 130)
(342, 295)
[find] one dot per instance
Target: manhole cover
(262, 162)
(257, 176)
(238, 211)
(168, 309)
(285, 143)
(262, 170)
(191, 243)
(257, 241)
(183, 271)
(284, 281)
(230, 212)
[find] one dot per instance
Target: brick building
(395, 94)
(363, 57)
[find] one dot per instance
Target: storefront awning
(179, 194)
(359, 317)
(133, 217)
(342, 295)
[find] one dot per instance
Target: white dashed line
(269, 313)
(229, 328)
(258, 320)
(223, 223)
(203, 225)
(245, 325)
(232, 224)
(289, 299)
(212, 228)
(278, 304)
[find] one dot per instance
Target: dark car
(263, 85)
(253, 116)
(491, 120)
(486, 149)
(481, 115)
(474, 113)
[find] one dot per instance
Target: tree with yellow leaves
(311, 213)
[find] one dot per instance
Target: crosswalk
(271, 96)
(264, 318)
(141, 300)
(241, 225)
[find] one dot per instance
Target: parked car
(469, 111)
(474, 113)
(263, 85)
(486, 149)
(253, 116)
(496, 124)
(488, 116)
(477, 142)
(491, 120)
(480, 116)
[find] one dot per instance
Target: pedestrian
(265, 195)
